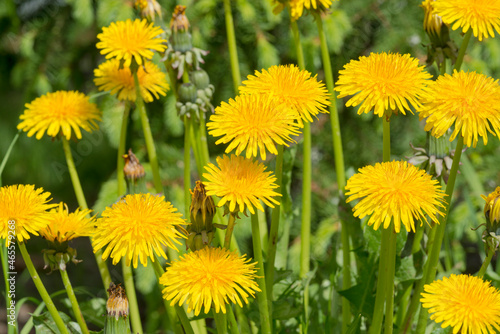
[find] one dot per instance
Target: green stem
(121, 151)
(229, 230)
(128, 280)
(298, 46)
(463, 48)
(433, 258)
(386, 155)
(196, 148)
(6, 158)
(8, 300)
(242, 320)
(41, 289)
(273, 232)
(187, 164)
(220, 322)
(231, 40)
(232, 320)
(74, 302)
(265, 320)
(305, 235)
(175, 311)
(486, 263)
(339, 166)
(103, 268)
(148, 136)
(389, 279)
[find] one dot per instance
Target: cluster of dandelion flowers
(255, 122)
(136, 226)
(23, 209)
(240, 182)
(209, 277)
(482, 16)
(395, 191)
(129, 40)
(60, 112)
(469, 100)
(492, 206)
(110, 77)
(467, 303)
(291, 86)
(383, 81)
(64, 226)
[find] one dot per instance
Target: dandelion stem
(339, 167)
(220, 322)
(231, 40)
(229, 230)
(486, 263)
(6, 158)
(387, 256)
(121, 151)
(173, 312)
(41, 289)
(430, 266)
(262, 300)
(103, 268)
(275, 221)
(74, 302)
(128, 280)
(389, 280)
(148, 136)
(187, 164)
(232, 320)
(463, 48)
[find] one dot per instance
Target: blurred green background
(50, 45)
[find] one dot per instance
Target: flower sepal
(56, 259)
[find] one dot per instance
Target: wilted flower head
(209, 277)
(466, 303)
(148, 8)
(23, 209)
(395, 192)
(60, 112)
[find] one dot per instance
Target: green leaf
(44, 324)
(107, 195)
(112, 116)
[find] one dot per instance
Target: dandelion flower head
(482, 16)
(241, 182)
(209, 277)
(395, 191)
(60, 112)
(136, 226)
(23, 209)
(64, 226)
(297, 6)
(129, 40)
(255, 122)
(291, 86)
(110, 77)
(383, 81)
(470, 101)
(466, 303)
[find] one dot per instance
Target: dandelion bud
(492, 210)
(179, 25)
(201, 212)
(200, 78)
(117, 311)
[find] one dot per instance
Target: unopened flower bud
(492, 210)
(201, 213)
(179, 25)
(117, 311)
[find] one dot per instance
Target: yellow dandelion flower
(255, 122)
(471, 101)
(492, 206)
(467, 303)
(242, 182)
(384, 81)
(209, 277)
(395, 191)
(110, 77)
(483, 16)
(136, 226)
(126, 40)
(432, 21)
(60, 112)
(297, 6)
(64, 226)
(23, 210)
(291, 86)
